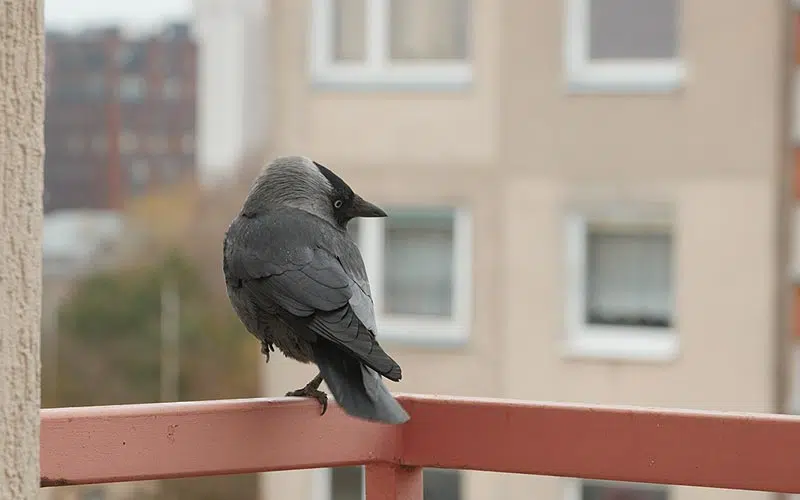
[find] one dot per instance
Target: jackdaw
(297, 281)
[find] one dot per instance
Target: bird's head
(298, 182)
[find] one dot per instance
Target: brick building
(120, 115)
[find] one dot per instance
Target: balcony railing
(159, 441)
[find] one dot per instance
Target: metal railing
(168, 440)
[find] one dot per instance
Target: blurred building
(76, 243)
(233, 86)
(588, 203)
(107, 491)
(120, 115)
(119, 120)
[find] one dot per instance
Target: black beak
(363, 208)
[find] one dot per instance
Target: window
(419, 264)
(620, 286)
(132, 88)
(139, 176)
(132, 57)
(623, 44)
(171, 89)
(128, 142)
(585, 489)
(391, 41)
(347, 483)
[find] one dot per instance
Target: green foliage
(110, 339)
(109, 352)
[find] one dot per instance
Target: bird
(297, 281)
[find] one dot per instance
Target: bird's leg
(266, 348)
(311, 390)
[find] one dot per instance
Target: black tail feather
(357, 388)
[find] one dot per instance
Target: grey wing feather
(361, 299)
(321, 293)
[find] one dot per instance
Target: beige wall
(21, 150)
(723, 121)
(413, 129)
(725, 280)
(519, 149)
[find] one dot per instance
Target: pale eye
(337, 204)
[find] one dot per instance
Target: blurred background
(590, 201)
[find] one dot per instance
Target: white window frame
(378, 67)
(572, 487)
(617, 342)
(622, 75)
(422, 329)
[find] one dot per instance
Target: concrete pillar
(21, 153)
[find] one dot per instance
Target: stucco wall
(21, 152)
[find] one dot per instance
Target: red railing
(154, 441)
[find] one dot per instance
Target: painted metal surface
(667, 446)
(393, 482)
(131, 442)
(165, 440)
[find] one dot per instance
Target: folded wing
(319, 289)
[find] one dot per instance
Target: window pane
(629, 279)
(132, 88)
(349, 30)
(428, 29)
(346, 483)
(608, 490)
(418, 263)
(633, 29)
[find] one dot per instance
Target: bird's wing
(282, 260)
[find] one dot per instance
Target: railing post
(393, 482)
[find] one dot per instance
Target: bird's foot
(266, 348)
(310, 391)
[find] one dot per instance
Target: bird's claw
(310, 392)
(267, 348)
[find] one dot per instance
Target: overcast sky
(138, 13)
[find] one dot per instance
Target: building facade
(120, 115)
(589, 202)
(233, 85)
